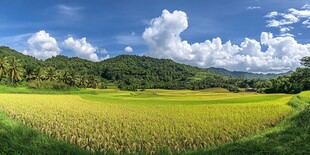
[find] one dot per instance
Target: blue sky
(112, 26)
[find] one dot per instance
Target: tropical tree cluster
(294, 83)
(130, 72)
(135, 72)
(60, 71)
(10, 69)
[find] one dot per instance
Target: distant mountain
(247, 75)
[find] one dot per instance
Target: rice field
(148, 122)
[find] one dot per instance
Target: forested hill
(125, 65)
(124, 70)
(28, 62)
(147, 68)
(247, 75)
(128, 72)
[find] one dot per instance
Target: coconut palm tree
(29, 76)
(15, 70)
(93, 81)
(4, 65)
(66, 76)
(75, 79)
(51, 74)
(39, 74)
(83, 81)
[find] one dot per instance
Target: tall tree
(51, 74)
(66, 76)
(39, 74)
(3, 67)
(15, 70)
(83, 81)
(93, 81)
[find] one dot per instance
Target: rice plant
(117, 123)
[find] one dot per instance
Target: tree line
(12, 72)
(130, 72)
(294, 83)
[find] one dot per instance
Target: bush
(232, 88)
(103, 86)
(261, 90)
(49, 85)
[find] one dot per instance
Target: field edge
(287, 137)
(17, 138)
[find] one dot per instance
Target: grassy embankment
(25, 90)
(291, 136)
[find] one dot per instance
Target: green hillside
(127, 72)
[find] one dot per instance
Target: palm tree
(70, 77)
(75, 79)
(59, 75)
(93, 81)
(29, 76)
(66, 76)
(39, 74)
(15, 70)
(51, 74)
(83, 81)
(3, 66)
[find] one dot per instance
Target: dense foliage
(132, 72)
(127, 72)
(56, 73)
(294, 83)
(135, 72)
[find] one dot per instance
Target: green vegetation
(17, 69)
(290, 137)
(197, 113)
(150, 121)
(16, 138)
(27, 90)
(127, 72)
(294, 83)
(246, 75)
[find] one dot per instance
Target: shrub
(261, 90)
(49, 85)
(103, 86)
(232, 88)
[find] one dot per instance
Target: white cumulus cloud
(163, 40)
(128, 49)
(307, 23)
(306, 6)
(272, 14)
(291, 16)
(42, 46)
(83, 49)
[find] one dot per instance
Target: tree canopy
(130, 72)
